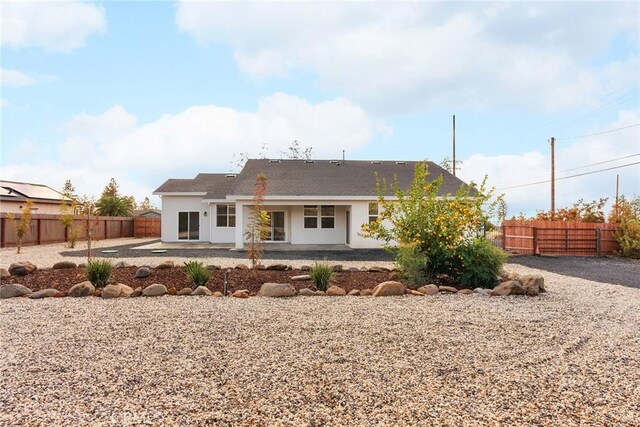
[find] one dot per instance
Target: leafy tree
(67, 216)
(258, 226)
(68, 190)
(624, 209)
(428, 233)
(146, 205)
(447, 164)
(111, 203)
(626, 213)
(294, 151)
(22, 225)
(580, 211)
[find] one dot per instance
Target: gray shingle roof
(309, 178)
(31, 191)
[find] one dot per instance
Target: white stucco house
(310, 202)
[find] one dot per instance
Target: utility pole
(617, 188)
(454, 145)
(553, 179)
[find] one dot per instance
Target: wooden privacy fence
(559, 237)
(49, 229)
(146, 227)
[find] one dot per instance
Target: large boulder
(533, 284)
(336, 291)
(378, 269)
(143, 272)
(64, 264)
(448, 289)
(429, 289)
(11, 290)
(164, 265)
(241, 293)
(354, 293)
(44, 293)
(4, 273)
(277, 267)
(22, 268)
(83, 289)
(119, 290)
(306, 292)
(277, 290)
(201, 291)
(510, 287)
(154, 290)
(185, 291)
(366, 292)
(137, 292)
(389, 288)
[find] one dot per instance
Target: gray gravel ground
(569, 357)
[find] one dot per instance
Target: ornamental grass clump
(321, 273)
(98, 272)
(197, 272)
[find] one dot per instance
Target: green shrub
(98, 272)
(321, 273)
(197, 272)
(413, 265)
(628, 236)
(481, 264)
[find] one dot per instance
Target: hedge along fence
(49, 229)
(146, 227)
(559, 237)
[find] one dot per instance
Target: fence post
(121, 229)
(566, 240)
(105, 230)
(3, 224)
(535, 241)
(504, 243)
(38, 221)
(598, 241)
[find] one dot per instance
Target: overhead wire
(598, 133)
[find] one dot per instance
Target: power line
(599, 133)
(570, 176)
(600, 163)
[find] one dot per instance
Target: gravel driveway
(620, 271)
(568, 357)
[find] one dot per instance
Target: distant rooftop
(14, 190)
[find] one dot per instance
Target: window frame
(373, 218)
(228, 216)
(319, 217)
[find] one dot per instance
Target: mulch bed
(175, 277)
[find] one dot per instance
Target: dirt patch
(175, 277)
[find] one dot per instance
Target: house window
(188, 225)
(373, 212)
(323, 215)
(328, 216)
(226, 215)
(310, 217)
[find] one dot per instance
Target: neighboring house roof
(310, 178)
(19, 191)
(149, 213)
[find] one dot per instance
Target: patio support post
(239, 226)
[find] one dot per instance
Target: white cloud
(403, 55)
(15, 78)
(198, 139)
(54, 26)
(511, 170)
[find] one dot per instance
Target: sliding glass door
(188, 225)
(276, 227)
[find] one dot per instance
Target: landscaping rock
(354, 293)
(449, 289)
(305, 268)
(429, 289)
(366, 292)
(12, 290)
(122, 264)
(260, 267)
(64, 264)
(83, 289)
(482, 291)
(185, 291)
(4, 273)
(352, 269)
(136, 292)
(336, 291)
(306, 292)
(22, 268)
(154, 290)
(217, 294)
(143, 272)
(97, 293)
(277, 267)
(465, 291)
(337, 268)
(415, 293)
(172, 291)
(389, 288)
(60, 294)
(533, 284)
(44, 293)
(118, 290)
(241, 267)
(213, 267)
(321, 294)
(166, 264)
(377, 269)
(201, 291)
(511, 287)
(277, 290)
(301, 277)
(241, 293)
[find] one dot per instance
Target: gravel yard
(568, 357)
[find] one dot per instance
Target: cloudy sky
(145, 91)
